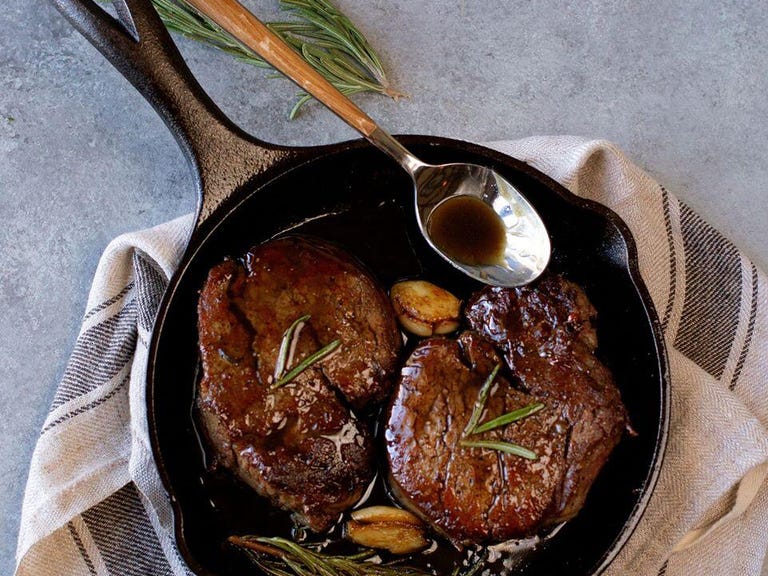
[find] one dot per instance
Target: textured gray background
(680, 86)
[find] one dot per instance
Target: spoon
(475, 219)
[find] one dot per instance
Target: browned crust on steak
(300, 444)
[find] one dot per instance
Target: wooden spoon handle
(238, 21)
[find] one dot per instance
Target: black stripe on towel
(750, 330)
(663, 569)
(109, 302)
(88, 406)
(672, 260)
(124, 535)
(150, 284)
(99, 354)
(81, 548)
(712, 299)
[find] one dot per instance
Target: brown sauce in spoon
(468, 230)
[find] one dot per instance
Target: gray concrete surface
(680, 85)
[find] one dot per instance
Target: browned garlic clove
(425, 309)
(387, 528)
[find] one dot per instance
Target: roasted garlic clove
(384, 514)
(387, 528)
(425, 309)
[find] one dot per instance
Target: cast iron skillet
(250, 191)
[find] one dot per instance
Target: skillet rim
(304, 157)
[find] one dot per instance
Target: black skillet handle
(221, 155)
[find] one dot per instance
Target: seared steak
(543, 338)
(299, 444)
(546, 334)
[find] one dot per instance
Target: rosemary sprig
(326, 38)
(282, 557)
(306, 363)
(280, 376)
(474, 426)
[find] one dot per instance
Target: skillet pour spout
(251, 191)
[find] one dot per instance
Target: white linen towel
(94, 503)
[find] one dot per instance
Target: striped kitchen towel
(94, 503)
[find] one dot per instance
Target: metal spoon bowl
(525, 247)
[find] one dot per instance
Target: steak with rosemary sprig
(295, 439)
(527, 357)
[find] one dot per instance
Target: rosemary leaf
(506, 447)
(285, 345)
(508, 418)
(306, 363)
(482, 398)
(303, 99)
